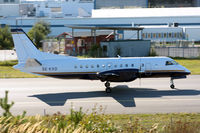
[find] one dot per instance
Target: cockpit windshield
(172, 62)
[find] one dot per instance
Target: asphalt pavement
(48, 95)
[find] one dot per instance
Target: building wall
(77, 8)
(9, 1)
(146, 12)
(9, 10)
(58, 25)
(65, 8)
(197, 3)
(130, 48)
(120, 4)
(7, 55)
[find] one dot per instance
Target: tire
(107, 84)
(172, 86)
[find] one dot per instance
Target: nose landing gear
(108, 89)
(172, 83)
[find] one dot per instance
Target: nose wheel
(172, 83)
(108, 89)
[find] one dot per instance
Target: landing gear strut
(108, 89)
(172, 83)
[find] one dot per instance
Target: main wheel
(172, 86)
(108, 90)
(107, 84)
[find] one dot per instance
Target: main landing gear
(108, 89)
(172, 83)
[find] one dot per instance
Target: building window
(170, 35)
(181, 35)
(159, 35)
(143, 35)
(149, 35)
(154, 35)
(175, 35)
(85, 0)
(165, 35)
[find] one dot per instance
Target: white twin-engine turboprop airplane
(31, 60)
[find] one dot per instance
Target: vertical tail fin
(24, 46)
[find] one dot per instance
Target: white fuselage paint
(97, 65)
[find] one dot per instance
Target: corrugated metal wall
(186, 52)
(120, 3)
(126, 48)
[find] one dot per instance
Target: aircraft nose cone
(187, 72)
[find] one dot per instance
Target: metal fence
(186, 52)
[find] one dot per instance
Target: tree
(39, 32)
(5, 105)
(6, 41)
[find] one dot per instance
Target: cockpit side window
(168, 63)
(171, 63)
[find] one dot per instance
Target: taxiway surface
(48, 95)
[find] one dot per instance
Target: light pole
(21, 13)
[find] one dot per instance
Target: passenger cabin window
(97, 65)
(75, 66)
(115, 66)
(121, 65)
(92, 66)
(126, 65)
(81, 66)
(132, 65)
(86, 66)
(103, 66)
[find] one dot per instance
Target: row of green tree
(38, 33)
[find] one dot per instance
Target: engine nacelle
(121, 75)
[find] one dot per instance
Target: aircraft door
(142, 67)
(148, 69)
